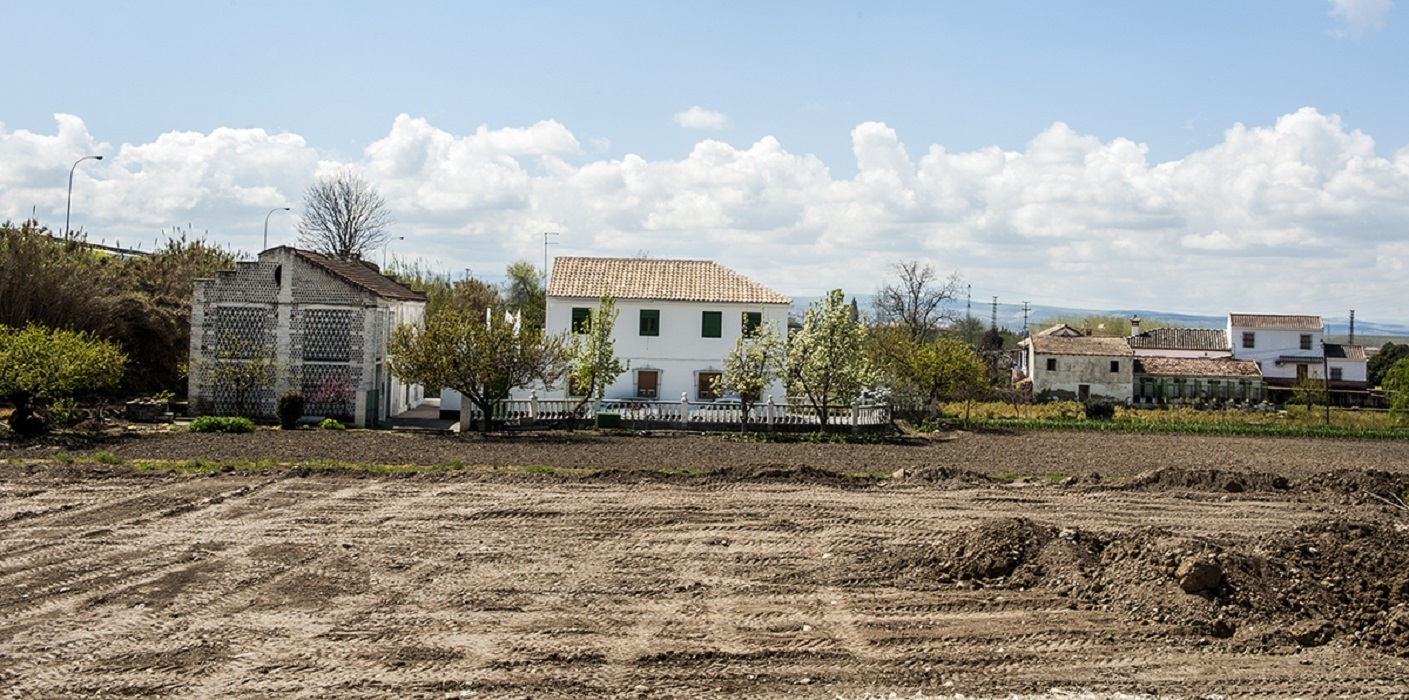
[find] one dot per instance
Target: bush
(331, 424)
(221, 424)
(289, 409)
(1096, 409)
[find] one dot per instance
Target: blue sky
(1197, 156)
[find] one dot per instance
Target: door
(1083, 392)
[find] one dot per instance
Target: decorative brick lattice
(321, 384)
(327, 335)
(239, 331)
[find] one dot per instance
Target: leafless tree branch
(343, 217)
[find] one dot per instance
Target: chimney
(1134, 326)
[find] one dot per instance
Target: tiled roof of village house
(1336, 351)
(362, 274)
(1181, 339)
(1277, 322)
(1103, 346)
(647, 278)
(1196, 367)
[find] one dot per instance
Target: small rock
(1312, 633)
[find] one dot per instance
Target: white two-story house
(676, 321)
(1291, 348)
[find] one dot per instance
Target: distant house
(327, 321)
(677, 319)
(1078, 367)
(1165, 380)
(1179, 342)
(1292, 348)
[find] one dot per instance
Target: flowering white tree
(751, 367)
(827, 360)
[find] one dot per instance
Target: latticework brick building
(322, 323)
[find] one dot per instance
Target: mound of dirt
(1207, 480)
(935, 475)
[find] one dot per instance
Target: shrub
(221, 424)
(1096, 409)
(289, 409)
(66, 412)
(331, 424)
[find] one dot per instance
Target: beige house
(1078, 367)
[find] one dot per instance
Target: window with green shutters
(650, 322)
(752, 321)
(581, 320)
(712, 324)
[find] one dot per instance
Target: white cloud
(698, 117)
(1301, 215)
(1360, 16)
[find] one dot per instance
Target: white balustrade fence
(767, 415)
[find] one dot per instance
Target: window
(704, 389)
(650, 322)
(581, 320)
(712, 324)
(1051, 364)
(1115, 365)
(1335, 374)
(752, 321)
(647, 383)
(1249, 339)
(1305, 341)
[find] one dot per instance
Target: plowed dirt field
(679, 566)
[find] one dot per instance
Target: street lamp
(69, 207)
(266, 226)
(384, 245)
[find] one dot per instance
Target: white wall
(1271, 344)
(679, 353)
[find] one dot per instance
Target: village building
(1064, 364)
(324, 323)
(677, 319)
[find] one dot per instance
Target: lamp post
(384, 245)
(68, 208)
(266, 226)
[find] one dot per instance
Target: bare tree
(915, 300)
(343, 217)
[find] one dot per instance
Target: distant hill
(1010, 316)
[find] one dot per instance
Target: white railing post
(533, 405)
(855, 409)
(684, 406)
(771, 411)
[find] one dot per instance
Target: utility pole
(546, 234)
(969, 301)
(1026, 307)
(994, 322)
(1352, 327)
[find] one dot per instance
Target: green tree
(751, 367)
(482, 356)
(246, 369)
(524, 292)
(594, 363)
(1397, 384)
(927, 372)
(1388, 356)
(43, 364)
(827, 360)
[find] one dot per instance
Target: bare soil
(683, 566)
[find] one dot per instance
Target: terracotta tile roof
(1181, 339)
(1061, 329)
(1279, 322)
(647, 278)
(362, 274)
(1336, 351)
(1085, 345)
(1197, 367)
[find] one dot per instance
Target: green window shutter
(650, 322)
(712, 324)
(753, 320)
(581, 319)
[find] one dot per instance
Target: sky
(1196, 157)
